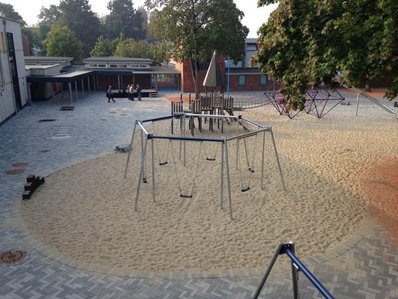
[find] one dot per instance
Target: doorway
(14, 70)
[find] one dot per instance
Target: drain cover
(67, 108)
(14, 171)
(46, 120)
(20, 164)
(11, 256)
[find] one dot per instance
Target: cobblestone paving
(366, 266)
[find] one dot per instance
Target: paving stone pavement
(365, 266)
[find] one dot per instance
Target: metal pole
(141, 174)
(237, 154)
(83, 88)
(70, 92)
(277, 160)
(153, 170)
(229, 74)
(246, 154)
(262, 163)
(88, 85)
(222, 176)
(228, 180)
(143, 153)
(185, 147)
(130, 149)
(294, 274)
(358, 96)
(309, 275)
(267, 272)
(76, 90)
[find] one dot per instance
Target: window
(242, 80)
(263, 79)
(113, 65)
(251, 47)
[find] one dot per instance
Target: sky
(30, 9)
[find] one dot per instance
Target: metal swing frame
(147, 137)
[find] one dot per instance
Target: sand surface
(86, 211)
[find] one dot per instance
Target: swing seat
(185, 196)
(144, 180)
(162, 163)
(210, 158)
(244, 189)
(251, 170)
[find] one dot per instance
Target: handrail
(308, 274)
(297, 265)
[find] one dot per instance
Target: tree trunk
(194, 71)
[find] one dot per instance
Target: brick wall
(187, 84)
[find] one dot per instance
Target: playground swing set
(240, 138)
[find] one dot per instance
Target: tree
(307, 43)
(144, 21)
(159, 52)
(103, 47)
(123, 18)
(79, 18)
(7, 10)
(130, 48)
(47, 18)
(194, 29)
(33, 35)
(61, 41)
(142, 49)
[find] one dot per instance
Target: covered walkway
(85, 79)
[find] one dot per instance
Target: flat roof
(117, 59)
(63, 77)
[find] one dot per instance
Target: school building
(13, 88)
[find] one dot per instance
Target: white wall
(7, 101)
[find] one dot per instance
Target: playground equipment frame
(146, 136)
(296, 265)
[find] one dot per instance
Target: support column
(83, 88)
(88, 85)
(76, 90)
(70, 92)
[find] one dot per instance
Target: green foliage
(159, 52)
(123, 18)
(194, 29)
(130, 48)
(33, 35)
(7, 10)
(103, 47)
(61, 41)
(306, 43)
(79, 18)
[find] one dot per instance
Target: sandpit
(86, 211)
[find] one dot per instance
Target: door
(14, 70)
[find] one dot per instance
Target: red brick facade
(187, 84)
(252, 80)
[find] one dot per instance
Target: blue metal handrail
(308, 274)
(297, 265)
